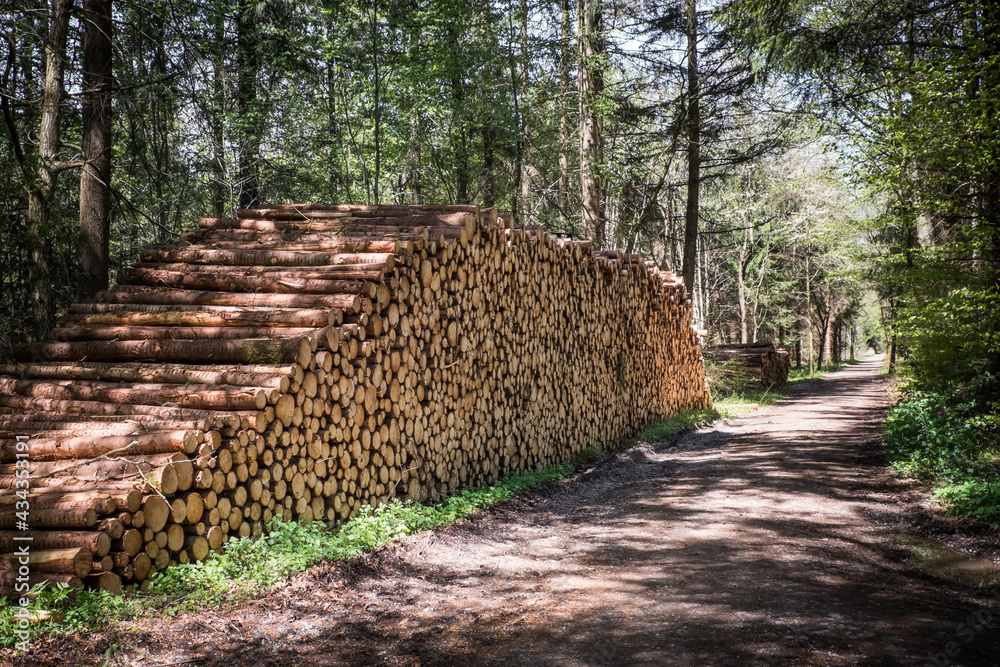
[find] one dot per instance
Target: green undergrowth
(735, 399)
(251, 567)
(802, 372)
(948, 434)
(746, 402)
(248, 568)
(678, 424)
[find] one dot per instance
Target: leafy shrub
(980, 499)
(951, 433)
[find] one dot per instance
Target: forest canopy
(823, 175)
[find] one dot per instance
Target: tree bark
(826, 342)
(525, 177)
(741, 282)
(250, 351)
(415, 157)
(46, 173)
(217, 189)
(564, 132)
(694, 147)
(591, 86)
(250, 122)
(95, 177)
(808, 306)
(489, 165)
(459, 114)
(376, 100)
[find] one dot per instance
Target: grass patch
(802, 372)
(678, 424)
(251, 567)
(740, 405)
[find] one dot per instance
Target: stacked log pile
(304, 361)
(762, 365)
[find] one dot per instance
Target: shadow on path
(761, 541)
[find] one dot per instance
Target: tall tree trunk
(250, 121)
(217, 190)
(826, 341)
(702, 298)
(808, 307)
(415, 157)
(694, 146)
(671, 229)
(526, 189)
(835, 343)
(95, 177)
(591, 85)
(565, 58)
(489, 165)
(47, 170)
(741, 281)
(166, 118)
(459, 112)
(376, 101)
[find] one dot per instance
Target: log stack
(763, 366)
(305, 361)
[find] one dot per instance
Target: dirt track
(771, 540)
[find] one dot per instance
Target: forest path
(769, 540)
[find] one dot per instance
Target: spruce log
(49, 518)
(241, 282)
(247, 375)
(141, 294)
(264, 257)
(96, 541)
(131, 332)
(74, 561)
(82, 447)
(200, 316)
(206, 351)
(8, 580)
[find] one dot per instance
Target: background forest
(823, 175)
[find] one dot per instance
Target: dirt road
(771, 540)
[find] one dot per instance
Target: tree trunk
(741, 282)
(701, 289)
(489, 165)
(591, 85)
(835, 331)
(564, 133)
(808, 305)
(46, 173)
(217, 190)
(414, 156)
(525, 178)
(459, 114)
(825, 339)
(95, 177)
(250, 121)
(694, 147)
(376, 101)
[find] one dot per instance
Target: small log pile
(305, 361)
(763, 366)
